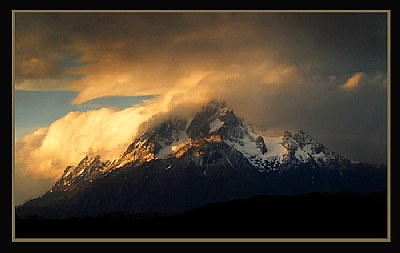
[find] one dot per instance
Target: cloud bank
(42, 156)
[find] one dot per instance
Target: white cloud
(44, 154)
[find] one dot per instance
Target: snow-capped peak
(215, 122)
(209, 120)
(89, 168)
(302, 147)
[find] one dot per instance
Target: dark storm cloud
(280, 71)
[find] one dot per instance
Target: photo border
(387, 239)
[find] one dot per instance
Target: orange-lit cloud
(44, 154)
(130, 56)
(353, 82)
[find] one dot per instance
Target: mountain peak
(214, 103)
(303, 148)
(89, 158)
(89, 168)
(287, 134)
(304, 138)
(209, 120)
(214, 156)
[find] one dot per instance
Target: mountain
(183, 163)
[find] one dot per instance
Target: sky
(84, 82)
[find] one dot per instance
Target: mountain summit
(183, 163)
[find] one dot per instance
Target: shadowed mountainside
(315, 215)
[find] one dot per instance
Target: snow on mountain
(276, 151)
(215, 121)
(216, 125)
(303, 148)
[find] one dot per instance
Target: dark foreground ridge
(313, 215)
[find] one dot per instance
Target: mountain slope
(181, 164)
